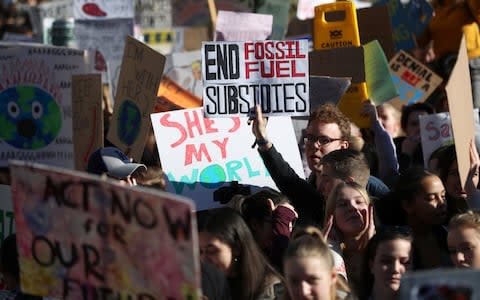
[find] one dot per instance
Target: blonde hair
(469, 219)
(335, 193)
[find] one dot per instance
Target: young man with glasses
(328, 129)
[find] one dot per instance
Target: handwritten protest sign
(413, 80)
(200, 155)
(460, 103)
(238, 26)
(106, 41)
(273, 74)
(87, 117)
(60, 9)
(185, 68)
(35, 103)
(103, 9)
(81, 237)
(171, 96)
(138, 84)
(7, 220)
(153, 13)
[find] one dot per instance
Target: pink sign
(81, 237)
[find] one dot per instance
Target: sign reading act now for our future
(239, 75)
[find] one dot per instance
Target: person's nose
(459, 257)
(398, 267)
(306, 290)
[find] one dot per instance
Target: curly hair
(329, 113)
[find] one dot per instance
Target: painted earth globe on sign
(129, 122)
(30, 117)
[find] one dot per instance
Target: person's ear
(334, 276)
(344, 145)
(350, 179)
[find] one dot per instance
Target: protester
(390, 118)
(387, 257)
(464, 240)
(270, 217)
(226, 241)
(115, 164)
(351, 218)
(309, 268)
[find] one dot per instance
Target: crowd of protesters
(364, 217)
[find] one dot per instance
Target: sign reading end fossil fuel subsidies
(238, 75)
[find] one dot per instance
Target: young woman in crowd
(419, 201)
(226, 242)
(350, 215)
(464, 240)
(309, 268)
(387, 258)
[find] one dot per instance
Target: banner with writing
(237, 26)
(153, 13)
(273, 74)
(87, 117)
(38, 14)
(138, 83)
(106, 41)
(36, 103)
(7, 220)
(103, 9)
(82, 237)
(200, 155)
(413, 80)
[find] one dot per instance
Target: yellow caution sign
(336, 26)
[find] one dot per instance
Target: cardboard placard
(200, 155)
(87, 117)
(414, 81)
(138, 84)
(81, 237)
(273, 74)
(374, 24)
(185, 68)
(193, 37)
(338, 62)
(237, 26)
(153, 13)
(435, 132)
(7, 217)
(106, 41)
(103, 9)
(35, 103)
(460, 103)
(325, 89)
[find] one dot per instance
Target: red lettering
(294, 70)
(259, 53)
(208, 125)
(431, 128)
(222, 146)
(236, 124)
(269, 50)
(195, 123)
(290, 48)
(249, 69)
(247, 49)
(279, 69)
(280, 53)
(190, 151)
(183, 134)
(263, 69)
(297, 50)
(445, 130)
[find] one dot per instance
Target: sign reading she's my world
(238, 75)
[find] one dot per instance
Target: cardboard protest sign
(153, 13)
(82, 237)
(35, 103)
(325, 89)
(106, 41)
(237, 26)
(380, 85)
(237, 76)
(440, 284)
(200, 155)
(103, 9)
(460, 104)
(185, 68)
(194, 36)
(171, 96)
(374, 24)
(414, 81)
(138, 83)
(87, 117)
(7, 220)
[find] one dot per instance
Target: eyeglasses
(311, 139)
